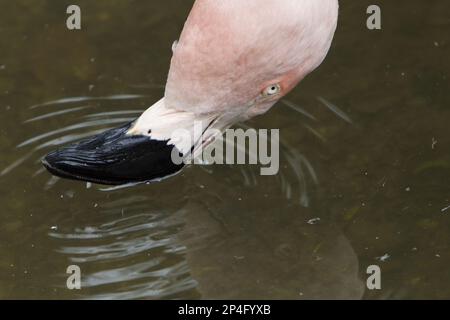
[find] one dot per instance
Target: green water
(380, 183)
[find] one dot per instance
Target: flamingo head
(241, 57)
(235, 59)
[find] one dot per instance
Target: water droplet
(313, 221)
(383, 258)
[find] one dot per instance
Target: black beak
(114, 158)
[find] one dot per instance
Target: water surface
(365, 165)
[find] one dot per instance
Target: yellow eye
(272, 90)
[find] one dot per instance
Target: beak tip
(50, 160)
(113, 158)
(51, 164)
(45, 163)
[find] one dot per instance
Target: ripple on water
(129, 253)
(129, 249)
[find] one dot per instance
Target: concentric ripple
(132, 242)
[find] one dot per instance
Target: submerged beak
(114, 157)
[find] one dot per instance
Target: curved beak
(114, 157)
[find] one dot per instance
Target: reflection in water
(369, 158)
(137, 246)
(235, 251)
(134, 252)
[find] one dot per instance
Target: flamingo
(233, 61)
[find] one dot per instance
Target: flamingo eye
(272, 90)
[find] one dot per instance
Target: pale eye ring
(272, 90)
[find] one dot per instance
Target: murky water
(364, 179)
